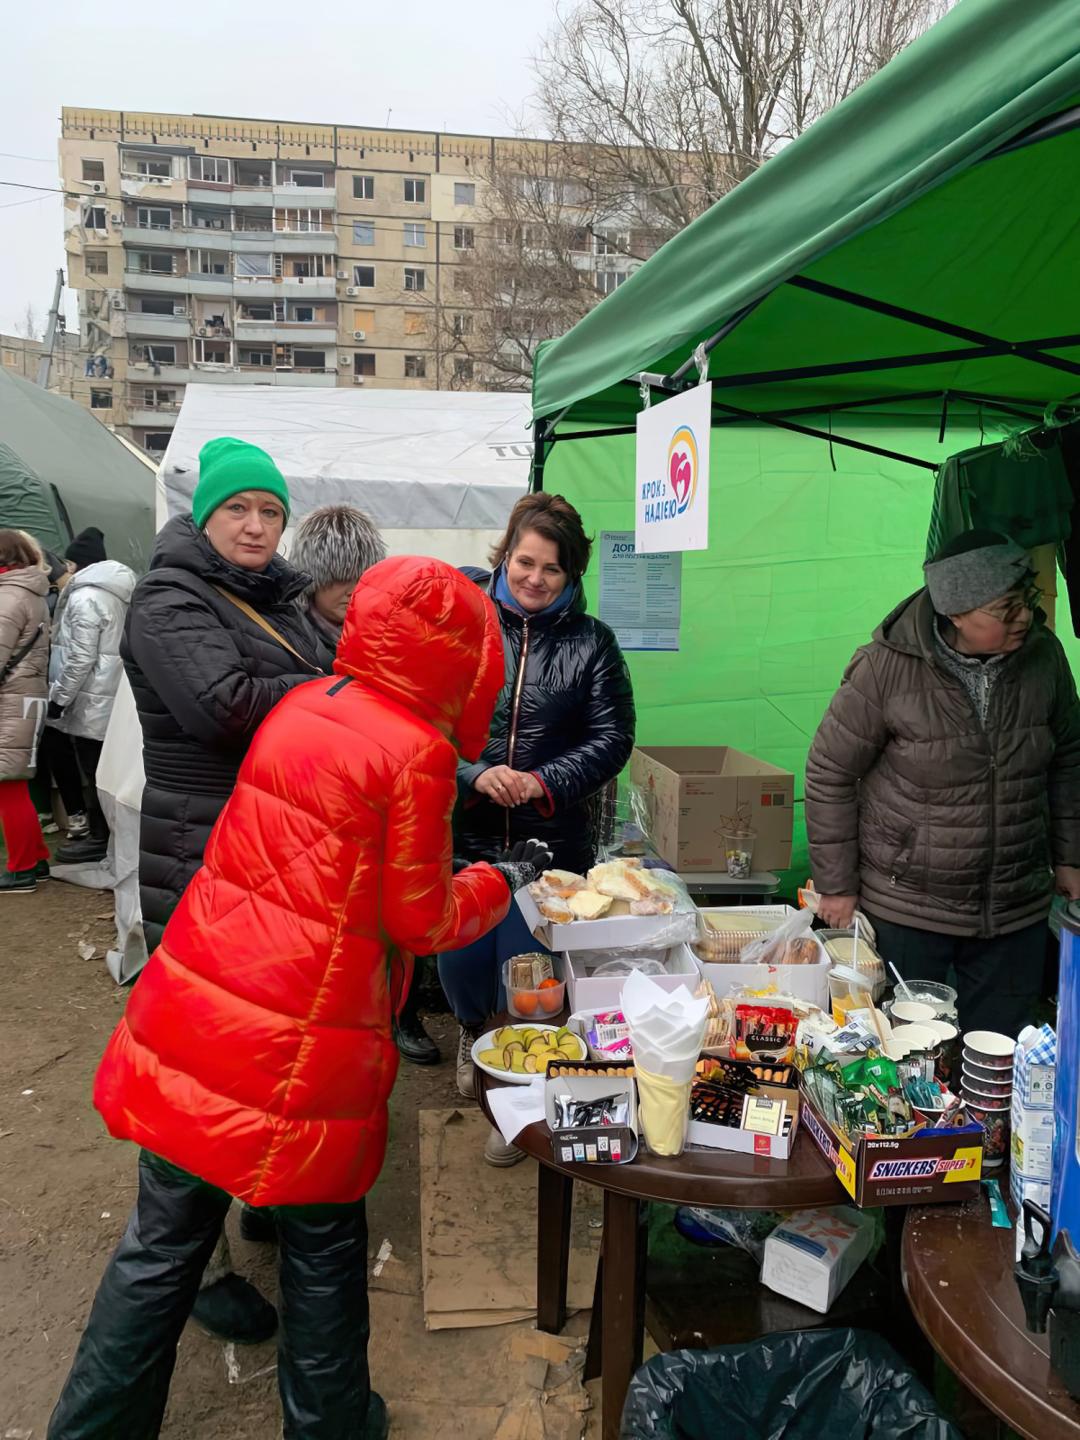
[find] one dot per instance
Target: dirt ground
(66, 1190)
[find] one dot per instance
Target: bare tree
(656, 109)
(29, 328)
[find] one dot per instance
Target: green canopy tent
(61, 470)
(897, 283)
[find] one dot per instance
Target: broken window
(156, 441)
(307, 179)
(364, 276)
(255, 263)
(309, 359)
(463, 325)
(415, 367)
(159, 305)
(154, 262)
(363, 232)
(93, 170)
(96, 262)
(464, 193)
(158, 167)
(415, 322)
(261, 356)
(210, 169)
(303, 314)
(364, 363)
(93, 217)
(463, 370)
(415, 191)
(100, 399)
(415, 279)
(265, 313)
(154, 217)
(156, 354)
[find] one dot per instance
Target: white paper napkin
(517, 1106)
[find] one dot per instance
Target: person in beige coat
(24, 665)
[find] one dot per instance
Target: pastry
(588, 905)
(557, 911)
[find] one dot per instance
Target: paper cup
(995, 1124)
(983, 1086)
(988, 1048)
(988, 1102)
(911, 1012)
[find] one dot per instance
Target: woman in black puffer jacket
(204, 676)
(563, 730)
(205, 673)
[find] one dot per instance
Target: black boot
(232, 1309)
(258, 1225)
(81, 851)
(412, 1040)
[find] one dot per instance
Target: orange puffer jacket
(256, 1049)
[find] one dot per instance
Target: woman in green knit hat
(213, 640)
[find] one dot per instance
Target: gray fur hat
(334, 545)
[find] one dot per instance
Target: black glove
(55, 711)
(523, 862)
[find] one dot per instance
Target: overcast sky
(461, 67)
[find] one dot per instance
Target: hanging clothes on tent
(1018, 488)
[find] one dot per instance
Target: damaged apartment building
(208, 249)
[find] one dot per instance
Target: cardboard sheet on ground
(478, 1229)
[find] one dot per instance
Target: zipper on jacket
(987, 898)
(519, 685)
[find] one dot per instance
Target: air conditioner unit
(352, 290)
(117, 219)
(179, 309)
(118, 303)
(358, 379)
(202, 330)
(343, 360)
(359, 334)
(342, 274)
(98, 188)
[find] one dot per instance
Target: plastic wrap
(796, 1385)
(789, 944)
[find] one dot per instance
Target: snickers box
(919, 1169)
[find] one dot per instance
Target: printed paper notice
(640, 595)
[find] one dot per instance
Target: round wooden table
(697, 1177)
(958, 1275)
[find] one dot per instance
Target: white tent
(438, 472)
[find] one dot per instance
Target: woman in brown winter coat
(24, 686)
(943, 784)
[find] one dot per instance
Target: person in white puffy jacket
(84, 673)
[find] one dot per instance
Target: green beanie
(228, 466)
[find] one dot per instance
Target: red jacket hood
(420, 632)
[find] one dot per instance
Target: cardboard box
(813, 1254)
(919, 1169)
(623, 932)
(594, 1144)
(1032, 1142)
(745, 1142)
(604, 992)
(690, 790)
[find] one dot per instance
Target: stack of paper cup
(986, 1084)
(666, 1032)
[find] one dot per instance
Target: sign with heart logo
(673, 473)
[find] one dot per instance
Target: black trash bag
(798, 1385)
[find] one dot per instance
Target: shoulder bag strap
(265, 625)
(14, 661)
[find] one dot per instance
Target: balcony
(145, 236)
(288, 287)
(154, 188)
(219, 286)
(173, 284)
(322, 197)
(161, 417)
(187, 374)
(305, 242)
(286, 332)
(165, 327)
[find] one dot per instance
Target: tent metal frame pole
(1046, 129)
(541, 446)
(1026, 349)
(678, 379)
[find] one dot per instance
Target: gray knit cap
(973, 570)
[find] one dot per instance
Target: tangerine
(524, 1002)
(551, 996)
